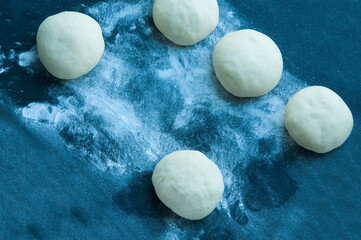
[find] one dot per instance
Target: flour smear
(148, 97)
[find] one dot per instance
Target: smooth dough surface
(247, 63)
(69, 44)
(185, 22)
(318, 119)
(188, 183)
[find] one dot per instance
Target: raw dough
(69, 44)
(185, 22)
(247, 63)
(318, 119)
(188, 183)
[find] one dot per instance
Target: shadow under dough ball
(69, 44)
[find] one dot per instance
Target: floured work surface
(77, 156)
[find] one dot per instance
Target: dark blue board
(76, 157)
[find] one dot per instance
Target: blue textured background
(51, 185)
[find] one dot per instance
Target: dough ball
(185, 22)
(247, 63)
(318, 119)
(69, 44)
(188, 183)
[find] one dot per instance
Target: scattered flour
(3, 70)
(147, 98)
(2, 58)
(27, 58)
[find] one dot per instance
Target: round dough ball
(247, 63)
(188, 183)
(318, 119)
(69, 44)
(185, 22)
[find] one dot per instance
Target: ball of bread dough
(188, 183)
(69, 44)
(185, 22)
(247, 63)
(318, 119)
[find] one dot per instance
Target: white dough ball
(188, 183)
(69, 44)
(318, 119)
(247, 63)
(185, 22)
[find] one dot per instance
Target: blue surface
(76, 157)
